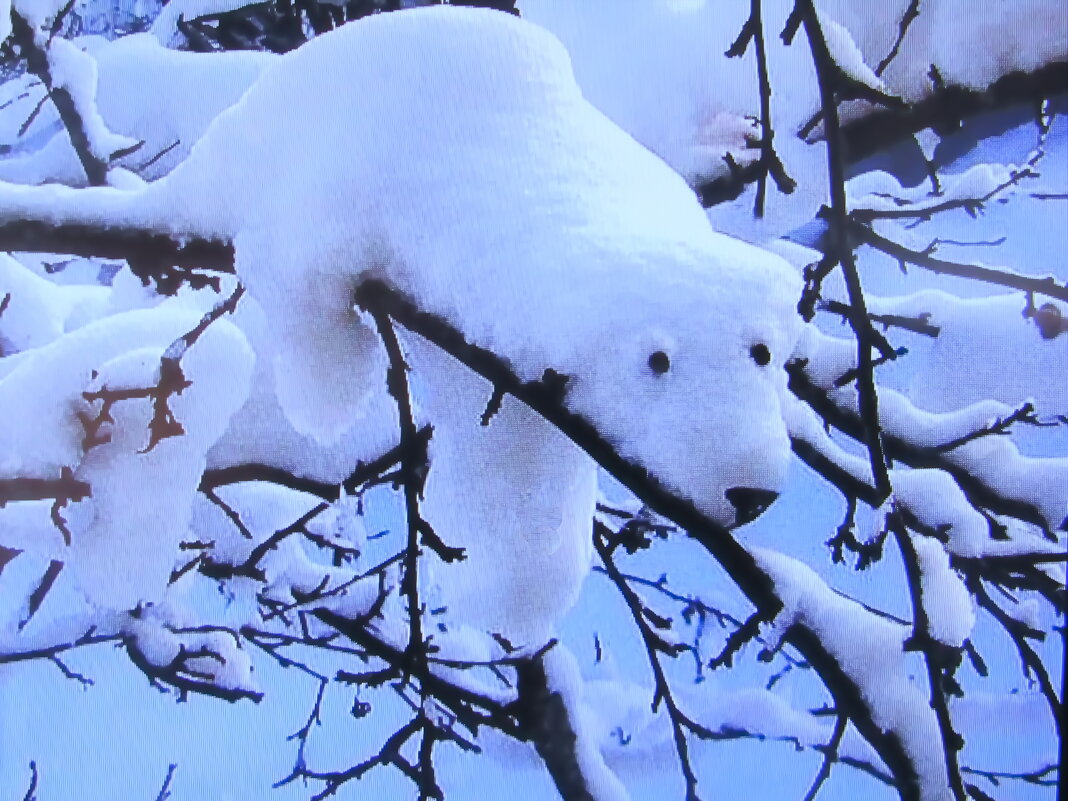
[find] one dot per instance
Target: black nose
(750, 503)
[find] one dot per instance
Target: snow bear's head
(681, 369)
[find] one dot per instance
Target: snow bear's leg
(329, 360)
(515, 493)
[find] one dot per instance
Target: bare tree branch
(31, 791)
(38, 63)
(655, 645)
(1048, 286)
(829, 757)
(907, 18)
(769, 162)
(866, 336)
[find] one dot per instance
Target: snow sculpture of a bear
(449, 152)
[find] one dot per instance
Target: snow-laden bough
(121, 533)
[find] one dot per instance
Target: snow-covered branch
(919, 447)
(167, 260)
(69, 77)
(947, 106)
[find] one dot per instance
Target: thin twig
(31, 791)
(165, 790)
(907, 18)
(654, 646)
(1048, 286)
(830, 754)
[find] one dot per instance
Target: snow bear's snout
(749, 503)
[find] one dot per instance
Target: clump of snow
(341, 523)
(122, 178)
(260, 432)
(72, 70)
(1026, 610)
(208, 656)
(37, 12)
(169, 98)
(880, 191)
(465, 644)
(124, 536)
(1018, 36)
(928, 140)
(21, 131)
(629, 732)
(38, 311)
(75, 71)
(935, 499)
(263, 508)
(291, 574)
(845, 53)
(39, 430)
(125, 523)
(805, 426)
(994, 461)
(290, 570)
(565, 680)
(165, 26)
(946, 601)
(153, 641)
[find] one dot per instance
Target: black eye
(659, 362)
(760, 353)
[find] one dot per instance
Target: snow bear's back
(334, 118)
